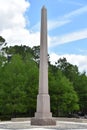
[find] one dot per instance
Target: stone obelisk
(43, 116)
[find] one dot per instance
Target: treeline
(19, 78)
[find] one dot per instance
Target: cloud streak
(52, 24)
(63, 20)
(70, 37)
(76, 12)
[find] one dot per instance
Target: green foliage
(81, 88)
(64, 99)
(19, 84)
(69, 70)
(78, 80)
(36, 52)
(2, 40)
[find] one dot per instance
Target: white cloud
(13, 23)
(21, 36)
(71, 2)
(78, 35)
(12, 13)
(65, 19)
(75, 2)
(76, 12)
(73, 36)
(79, 60)
(52, 24)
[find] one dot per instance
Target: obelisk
(43, 116)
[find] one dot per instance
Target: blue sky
(67, 27)
(68, 17)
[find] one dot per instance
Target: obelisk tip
(43, 7)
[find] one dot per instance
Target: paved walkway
(60, 125)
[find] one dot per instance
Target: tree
(2, 45)
(19, 77)
(79, 81)
(19, 86)
(2, 40)
(81, 89)
(64, 99)
(36, 53)
(69, 70)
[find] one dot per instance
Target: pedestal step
(43, 122)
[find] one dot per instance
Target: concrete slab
(60, 125)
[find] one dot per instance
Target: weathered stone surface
(43, 116)
(43, 122)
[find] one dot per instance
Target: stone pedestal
(43, 122)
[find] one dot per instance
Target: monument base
(43, 121)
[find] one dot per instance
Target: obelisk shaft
(43, 74)
(43, 115)
(43, 99)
